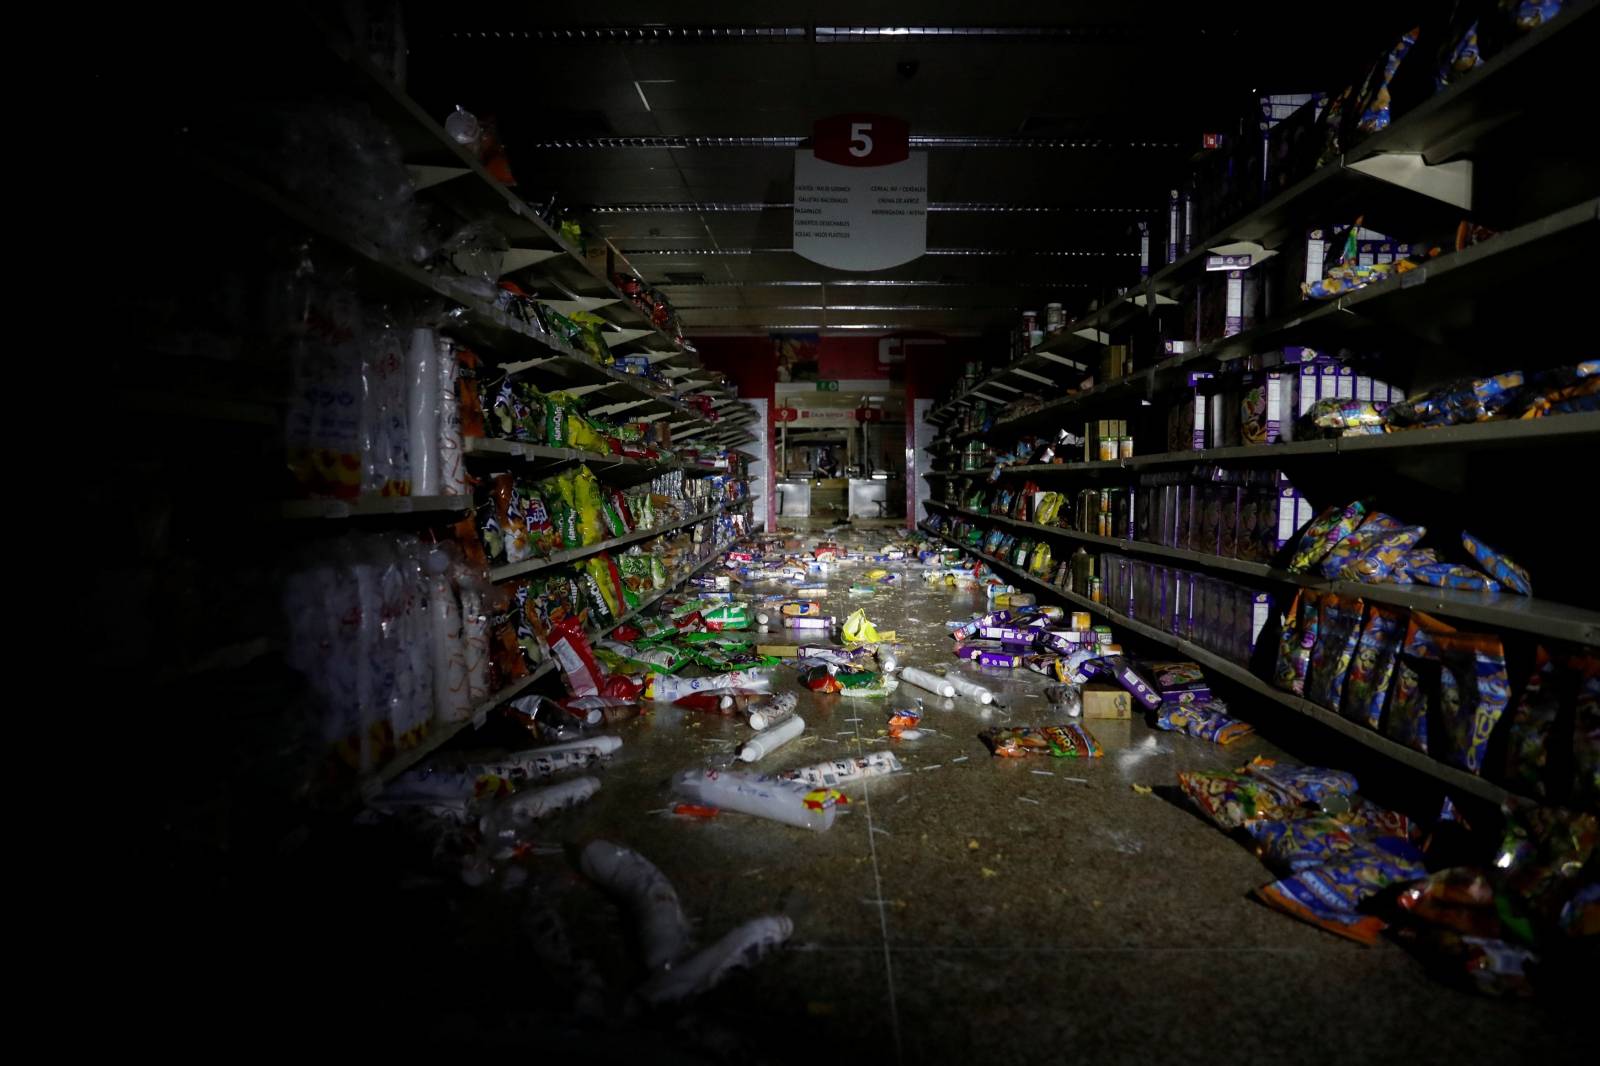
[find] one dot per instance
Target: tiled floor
(975, 909)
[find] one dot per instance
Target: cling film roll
(939, 686)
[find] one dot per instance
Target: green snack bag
(658, 573)
(599, 609)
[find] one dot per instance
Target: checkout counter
(837, 497)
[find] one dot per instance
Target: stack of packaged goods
(1354, 868)
(1420, 681)
(392, 637)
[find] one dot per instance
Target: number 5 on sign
(860, 139)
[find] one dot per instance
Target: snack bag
(1338, 632)
(1375, 100)
(1473, 694)
(1299, 636)
(1304, 784)
(1382, 554)
(1300, 843)
(1327, 896)
(542, 536)
(1203, 720)
(1072, 741)
(1451, 576)
(820, 679)
(1357, 543)
(1408, 707)
(570, 648)
(1498, 566)
(1366, 685)
(1325, 531)
(1232, 799)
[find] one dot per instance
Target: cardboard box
(1106, 701)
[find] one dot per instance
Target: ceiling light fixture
(703, 207)
(985, 252)
(928, 141)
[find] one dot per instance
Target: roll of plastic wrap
(665, 688)
(422, 411)
(939, 686)
(452, 463)
(550, 759)
(771, 740)
(763, 795)
(534, 803)
(970, 689)
(645, 890)
(452, 696)
(846, 771)
(772, 711)
(474, 640)
(739, 949)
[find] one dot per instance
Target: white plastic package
(657, 914)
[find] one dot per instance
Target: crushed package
(1066, 740)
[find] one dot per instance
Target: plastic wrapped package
(452, 691)
(1296, 641)
(386, 462)
(1366, 684)
(658, 917)
(1498, 566)
(1450, 691)
(1338, 633)
(1324, 532)
(423, 410)
(448, 445)
(324, 435)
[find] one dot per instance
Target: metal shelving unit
(1540, 432)
(1432, 321)
(366, 506)
(1399, 753)
(529, 566)
(1504, 609)
(371, 784)
(1462, 118)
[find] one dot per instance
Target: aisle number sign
(860, 194)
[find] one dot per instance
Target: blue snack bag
(1497, 565)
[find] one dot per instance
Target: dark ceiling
(670, 129)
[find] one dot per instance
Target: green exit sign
(827, 386)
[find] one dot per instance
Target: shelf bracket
(516, 259)
(1031, 376)
(425, 177)
(617, 408)
(1063, 360)
(1450, 182)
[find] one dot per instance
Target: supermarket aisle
(973, 908)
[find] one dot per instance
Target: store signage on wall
(860, 194)
(827, 386)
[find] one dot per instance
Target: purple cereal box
(1002, 659)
